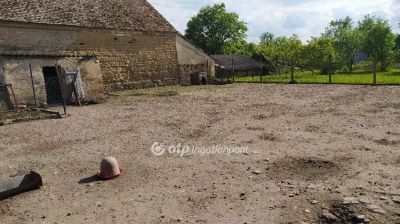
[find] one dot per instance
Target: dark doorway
(52, 84)
(203, 81)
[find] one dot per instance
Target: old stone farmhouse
(55, 48)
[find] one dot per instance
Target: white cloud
(283, 17)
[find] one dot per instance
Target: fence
(391, 77)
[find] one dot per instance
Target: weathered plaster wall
(192, 60)
(127, 59)
(17, 73)
(5, 101)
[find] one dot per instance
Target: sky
(306, 18)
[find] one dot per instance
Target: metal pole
(62, 89)
(33, 85)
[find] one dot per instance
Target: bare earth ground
(315, 148)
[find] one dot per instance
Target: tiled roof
(136, 15)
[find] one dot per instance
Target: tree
(289, 50)
(397, 48)
(378, 41)
(268, 46)
(346, 41)
(240, 47)
(213, 27)
(398, 41)
(319, 53)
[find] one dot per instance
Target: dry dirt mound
(309, 168)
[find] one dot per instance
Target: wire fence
(391, 77)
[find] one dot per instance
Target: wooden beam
(20, 184)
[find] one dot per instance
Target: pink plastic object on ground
(109, 168)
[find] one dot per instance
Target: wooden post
(75, 91)
(20, 184)
(208, 71)
(261, 71)
(233, 71)
(33, 85)
(13, 94)
(330, 69)
(374, 81)
(62, 88)
(292, 75)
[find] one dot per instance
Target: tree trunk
(375, 65)
(292, 74)
(351, 66)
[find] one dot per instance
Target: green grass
(357, 77)
(23, 115)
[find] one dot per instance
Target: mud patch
(309, 168)
(312, 128)
(386, 142)
(268, 137)
(255, 128)
(195, 133)
(395, 106)
(166, 94)
(260, 117)
(4, 209)
(343, 213)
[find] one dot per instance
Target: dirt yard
(316, 154)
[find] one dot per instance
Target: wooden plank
(20, 184)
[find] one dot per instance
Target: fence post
(261, 71)
(330, 69)
(33, 85)
(233, 71)
(13, 95)
(62, 88)
(374, 81)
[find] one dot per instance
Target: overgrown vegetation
(343, 45)
(391, 77)
(26, 115)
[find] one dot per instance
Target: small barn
(52, 50)
(239, 65)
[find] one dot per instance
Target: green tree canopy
(378, 41)
(346, 40)
(213, 27)
(289, 50)
(268, 46)
(397, 48)
(319, 53)
(240, 47)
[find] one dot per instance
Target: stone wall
(16, 71)
(192, 60)
(127, 59)
(5, 100)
